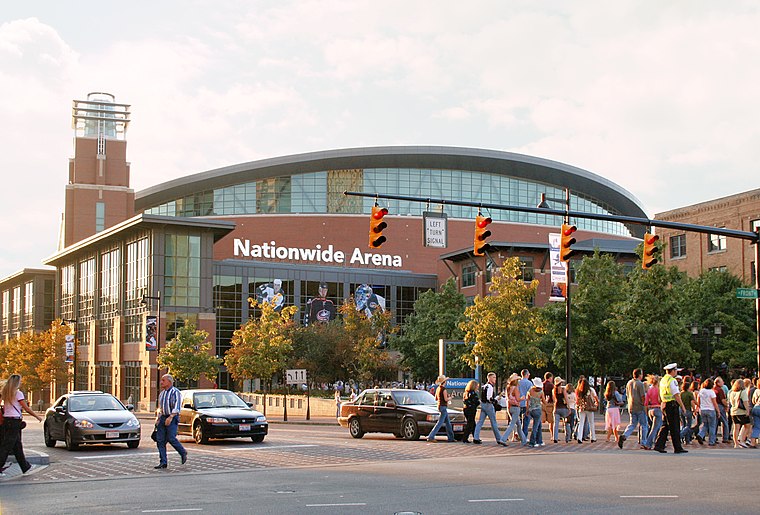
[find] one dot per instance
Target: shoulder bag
(591, 403)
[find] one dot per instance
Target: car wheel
(355, 428)
(409, 429)
(199, 435)
(134, 444)
(257, 438)
(69, 440)
(49, 442)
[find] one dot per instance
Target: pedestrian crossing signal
(376, 226)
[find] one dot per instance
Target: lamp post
(544, 204)
(74, 321)
(144, 302)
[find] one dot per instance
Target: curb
(39, 461)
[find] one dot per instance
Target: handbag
(154, 434)
(496, 405)
(591, 402)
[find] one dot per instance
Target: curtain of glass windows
(6, 310)
(105, 380)
(28, 305)
(132, 381)
(16, 321)
(86, 299)
(110, 264)
(317, 192)
(182, 269)
(68, 291)
(136, 285)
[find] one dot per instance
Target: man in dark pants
(167, 421)
(671, 401)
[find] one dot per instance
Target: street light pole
(144, 302)
(75, 322)
(543, 204)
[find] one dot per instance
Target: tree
(503, 326)
(436, 315)
(188, 355)
(315, 349)
(54, 366)
(26, 354)
(359, 351)
(262, 347)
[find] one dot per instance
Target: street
(321, 469)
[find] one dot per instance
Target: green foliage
(436, 315)
(262, 347)
(358, 351)
(503, 326)
(188, 355)
(315, 348)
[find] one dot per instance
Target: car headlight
(84, 423)
(261, 419)
(132, 423)
(217, 420)
(432, 418)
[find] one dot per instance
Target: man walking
(167, 421)
(487, 398)
(722, 398)
(524, 386)
(670, 396)
(635, 392)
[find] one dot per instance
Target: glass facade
(136, 271)
(182, 269)
(132, 381)
(322, 192)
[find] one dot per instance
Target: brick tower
(98, 195)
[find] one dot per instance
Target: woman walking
(536, 403)
(471, 401)
(561, 410)
(756, 415)
(739, 402)
(13, 403)
(513, 401)
(708, 413)
(612, 414)
(587, 405)
(654, 409)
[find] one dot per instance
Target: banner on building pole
(151, 333)
(69, 338)
(558, 270)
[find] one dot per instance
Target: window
(182, 269)
(754, 225)
(490, 269)
(137, 264)
(29, 305)
(468, 275)
(678, 246)
(6, 309)
(100, 216)
(718, 269)
(132, 381)
(752, 273)
(716, 243)
(104, 376)
(526, 268)
(83, 370)
(16, 322)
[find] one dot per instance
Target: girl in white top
(13, 404)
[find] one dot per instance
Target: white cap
(670, 366)
(278, 282)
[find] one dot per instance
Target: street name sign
(746, 293)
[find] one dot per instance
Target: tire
(257, 438)
(409, 429)
(133, 444)
(355, 428)
(199, 435)
(69, 440)
(49, 442)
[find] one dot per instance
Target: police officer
(670, 395)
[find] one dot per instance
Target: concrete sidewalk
(39, 461)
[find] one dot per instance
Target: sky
(658, 97)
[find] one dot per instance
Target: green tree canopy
(189, 355)
(359, 351)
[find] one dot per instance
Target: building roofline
(220, 227)
(436, 157)
(605, 246)
(27, 271)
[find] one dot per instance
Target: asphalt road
(321, 469)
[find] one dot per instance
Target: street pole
(157, 298)
(568, 338)
(757, 301)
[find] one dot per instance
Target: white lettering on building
(270, 250)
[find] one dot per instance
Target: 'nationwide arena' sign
(270, 250)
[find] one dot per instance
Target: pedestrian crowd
(672, 407)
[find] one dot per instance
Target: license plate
(458, 427)
(245, 427)
(112, 434)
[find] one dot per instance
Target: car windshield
(413, 398)
(94, 403)
(205, 400)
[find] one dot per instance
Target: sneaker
(160, 466)
(680, 451)
(742, 445)
(535, 445)
(542, 444)
(661, 451)
(184, 458)
(500, 442)
(645, 447)
(621, 440)
(431, 440)
(477, 442)
(700, 440)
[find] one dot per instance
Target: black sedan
(405, 413)
(219, 414)
(90, 417)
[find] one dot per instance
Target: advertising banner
(151, 333)
(558, 270)
(69, 338)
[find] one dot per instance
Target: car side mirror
(187, 405)
(250, 404)
(130, 407)
(60, 410)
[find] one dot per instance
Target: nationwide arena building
(198, 247)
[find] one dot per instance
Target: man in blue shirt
(523, 386)
(167, 421)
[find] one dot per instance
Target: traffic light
(566, 242)
(649, 256)
(376, 227)
(481, 234)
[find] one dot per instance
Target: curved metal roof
(435, 157)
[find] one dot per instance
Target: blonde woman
(739, 401)
(513, 400)
(13, 404)
(471, 400)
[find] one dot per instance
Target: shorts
(547, 413)
(741, 419)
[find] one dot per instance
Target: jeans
(487, 410)
(584, 416)
(525, 417)
(640, 418)
(755, 422)
(10, 443)
(536, 437)
(469, 427)
(168, 434)
(515, 425)
(656, 422)
(723, 420)
(686, 432)
(709, 423)
(559, 414)
(443, 418)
